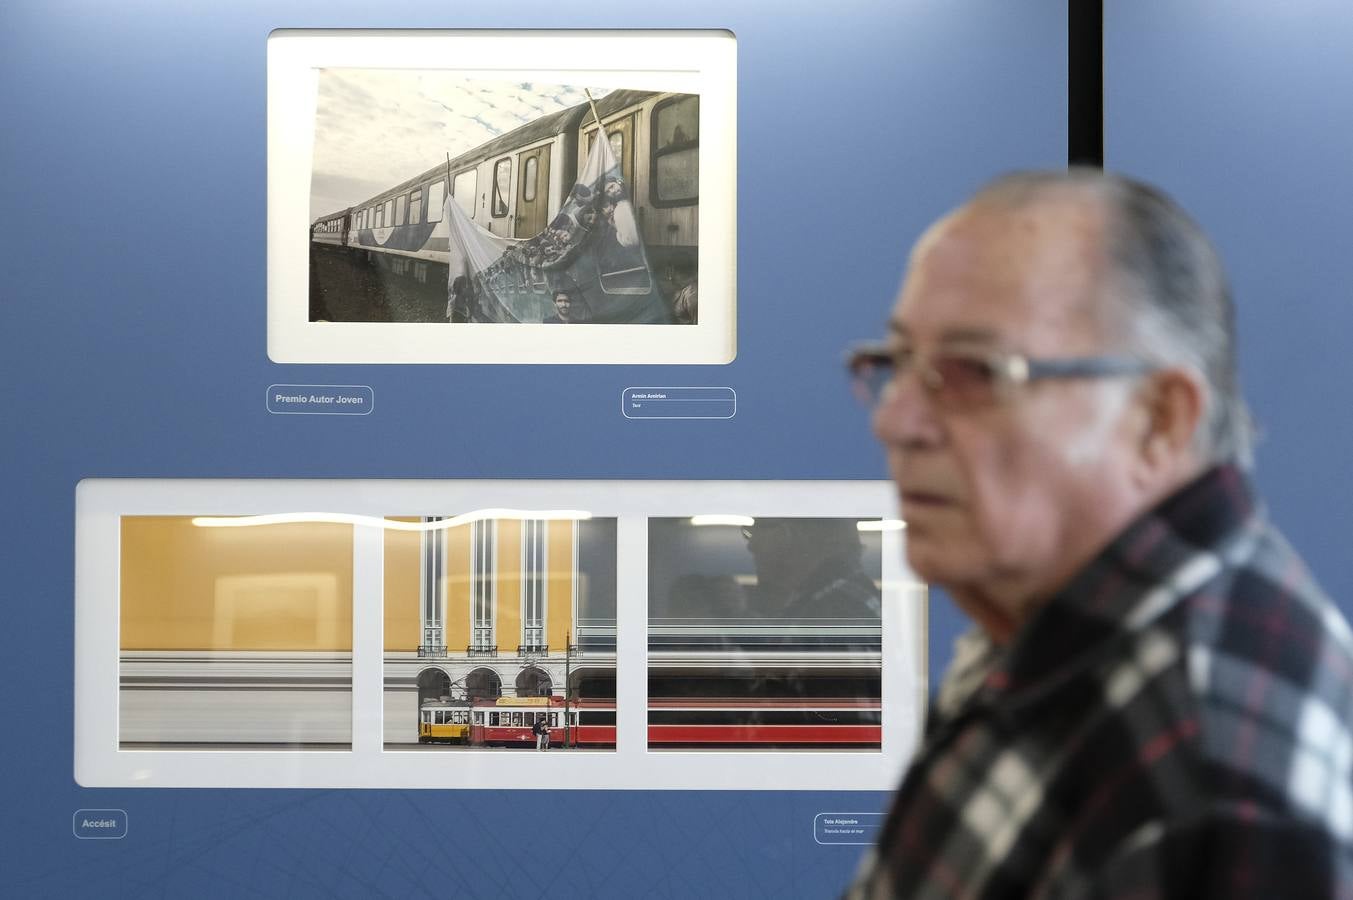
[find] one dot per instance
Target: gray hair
(1171, 292)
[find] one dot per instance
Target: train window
(415, 207)
(502, 186)
(401, 209)
(436, 197)
(464, 189)
(493, 719)
(389, 210)
(676, 151)
(529, 174)
(554, 720)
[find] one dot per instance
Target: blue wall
(1241, 110)
(132, 176)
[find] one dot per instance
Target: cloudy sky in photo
(377, 127)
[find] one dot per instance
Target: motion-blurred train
(515, 184)
(765, 723)
(673, 723)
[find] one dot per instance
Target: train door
(533, 191)
(621, 135)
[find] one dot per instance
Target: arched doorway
(483, 684)
(593, 684)
(534, 682)
(433, 684)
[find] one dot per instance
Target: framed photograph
(234, 639)
(563, 634)
(444, 197)
(500, 632)
(765, 633)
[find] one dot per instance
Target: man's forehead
(986, 268)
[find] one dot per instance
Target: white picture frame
(102, 503)
(699, 62)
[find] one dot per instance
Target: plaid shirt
(1174, 723)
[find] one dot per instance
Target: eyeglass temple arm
(1087, 367)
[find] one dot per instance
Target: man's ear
(1172, 402)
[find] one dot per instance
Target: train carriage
(514, 184)
(331, 230)
(765, 723)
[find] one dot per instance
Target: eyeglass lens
(954, 379)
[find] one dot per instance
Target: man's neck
(1001, 606)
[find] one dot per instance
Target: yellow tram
(444, 721)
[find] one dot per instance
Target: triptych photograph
(499, 633)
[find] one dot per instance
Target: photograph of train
(498, 627)
(441, 198)
(764, 633)
(234, 638)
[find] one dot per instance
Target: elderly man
(1156, 698)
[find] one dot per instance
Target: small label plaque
(99, 824)
(678, 403)
(847, 828)
(320, 399)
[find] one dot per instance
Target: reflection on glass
(234, 637)
(764, 636)
(498, 628)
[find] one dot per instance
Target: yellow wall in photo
(268, 587)
(403, 600)
(403, 613)
(508, 626)
(457, 628)
(559, 622)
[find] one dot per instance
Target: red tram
(507, 722)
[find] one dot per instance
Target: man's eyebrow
(969, 336)
(960, 335)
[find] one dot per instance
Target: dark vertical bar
(1085, 82)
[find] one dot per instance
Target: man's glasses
(971, 379)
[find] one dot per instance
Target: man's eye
(962, 372)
